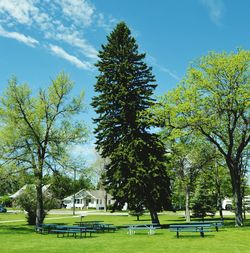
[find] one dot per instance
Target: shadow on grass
(75, 238)
(19, 229)
(188, 237)
(229, 222)
(149, 220)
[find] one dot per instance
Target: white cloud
(64, 21)
(106, 23)
(20, 37)
(75, 40)
(72, 59)
(168, 71)
(215, 9)
(80, 11)
(152, 60)
(20, 10)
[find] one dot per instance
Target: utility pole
(74, 196)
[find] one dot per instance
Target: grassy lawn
(17, 237)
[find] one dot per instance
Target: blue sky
(40, 38)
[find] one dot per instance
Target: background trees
(125, 85)
(36, 131)
(213, 99)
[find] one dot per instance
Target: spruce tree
(136, 172)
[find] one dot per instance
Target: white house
(89, 199)
(21, 190)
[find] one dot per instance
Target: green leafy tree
(189, 158)
(37, 131)
(28, 202)
(213, 99)
(204, 201)
(125, 85)
(12, 178)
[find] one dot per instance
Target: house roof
(20, 191)
(95, 194)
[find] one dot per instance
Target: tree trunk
(187, 198)
(106, 201)
(218, 188)
(154, 216)
(39, 206)
(235, 173)
(220, 204)
(221, 212)
(238, 205)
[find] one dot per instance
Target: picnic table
(108, 227)
(98, 225)
(45, 228)
(74, 230)
(191, 227)
(88, 222)
(150, 228)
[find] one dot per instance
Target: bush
(27, 201)
(5, 201)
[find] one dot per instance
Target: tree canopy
(213, 99)
(36, 131)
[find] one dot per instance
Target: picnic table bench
(74, 230)
(150, 228)
(108, 227)
(45, 228)
(98, 225)
(196, 227)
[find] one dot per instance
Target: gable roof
(21, 190)
(95, 194)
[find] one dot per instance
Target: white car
(227, 204)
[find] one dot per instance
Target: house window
(100, 201)
(97, 201)
(109, 202)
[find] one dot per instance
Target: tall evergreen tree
(137, 168)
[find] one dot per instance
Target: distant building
(21, 190)
(89, 199)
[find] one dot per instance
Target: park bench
(196, 227)
(150, 228)
(213, 223)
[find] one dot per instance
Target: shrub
(27, 201)
(5, 200)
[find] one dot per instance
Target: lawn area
(17, 237)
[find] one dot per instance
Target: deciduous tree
(213, 99)
(36, 130)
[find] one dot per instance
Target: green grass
(17, 237)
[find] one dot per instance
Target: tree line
(199, 156)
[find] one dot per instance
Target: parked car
(227, 204)
(2, 209)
